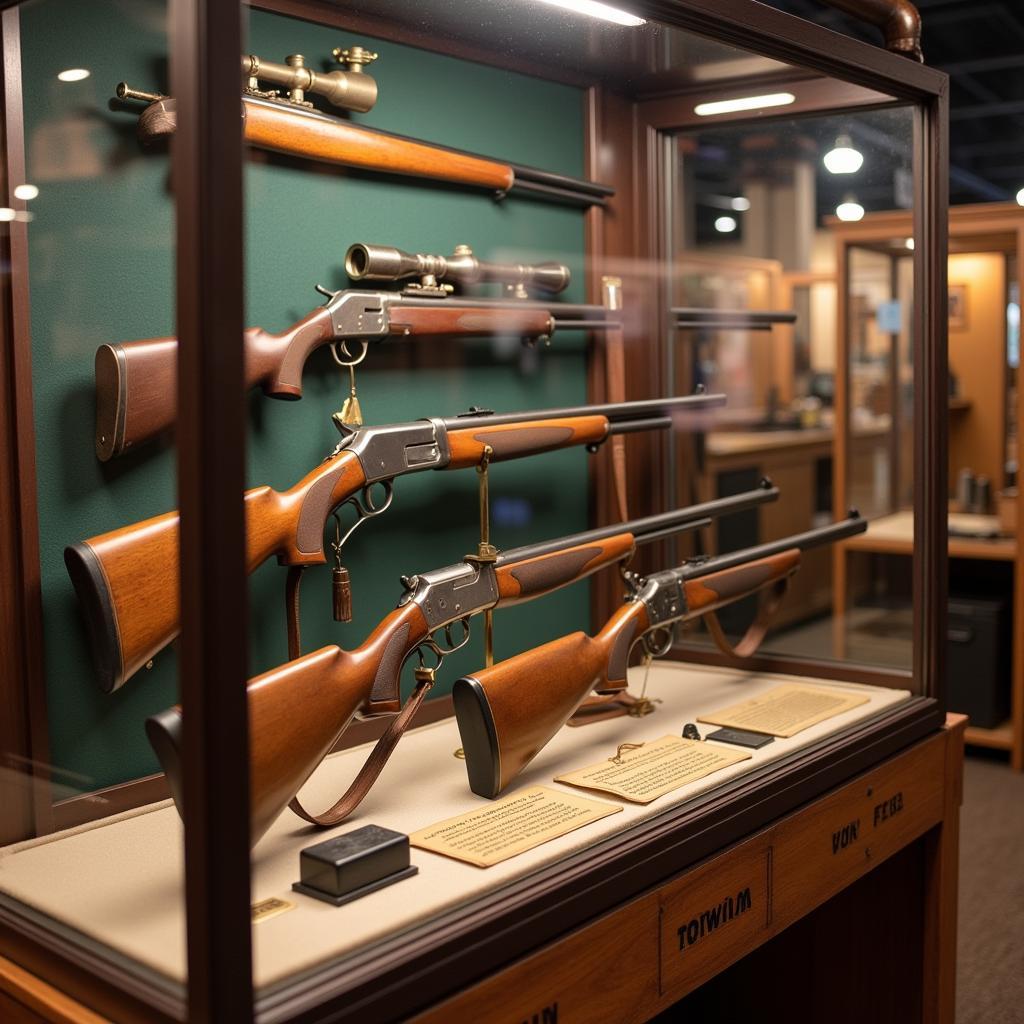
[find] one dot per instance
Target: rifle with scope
(127, 579)
(506, 715)
(136, 380)
(298, 711)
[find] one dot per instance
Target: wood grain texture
(139, 562)
(33, 1000)
(599, 973)
(532, 695)
(298, 711)
(720, 588)
(468, 320)
(340, 142)
(524, 580)
(512, 440)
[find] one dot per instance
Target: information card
(511, 826)
(786, 710)
(654, 768)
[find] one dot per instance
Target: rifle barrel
(617, 412)
(848, 527)
(651, 528)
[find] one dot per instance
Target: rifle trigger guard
(344, 358)
(453, 644)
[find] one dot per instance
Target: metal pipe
(898, 19)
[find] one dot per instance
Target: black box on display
(979, 660)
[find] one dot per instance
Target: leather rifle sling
(378, 757)
(768, 605)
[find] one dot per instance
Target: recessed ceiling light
(909, 243)
(774, 99)
(26, 192)
(725, 225)
(843, 158)
(741, 204)
(73, 74)
(849, 209)
(6, 213)
(1020, 197)
(597, 10)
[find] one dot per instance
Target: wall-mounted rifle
(135, 380)
(289, 124)
(509, 712)
(127, 580)
(297, 712)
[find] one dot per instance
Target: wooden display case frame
(626, 140)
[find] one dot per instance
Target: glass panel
(433, 177)
(752, 219)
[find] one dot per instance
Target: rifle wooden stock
(333, 140)
(505, 721)
(136, 381)
(127, 580)
(509, 712)
(297, 712)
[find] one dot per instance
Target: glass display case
(578, 259)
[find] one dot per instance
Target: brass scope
(386, 263)
(351, 88)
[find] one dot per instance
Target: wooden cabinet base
(815, 868)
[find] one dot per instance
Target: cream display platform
(120, 880)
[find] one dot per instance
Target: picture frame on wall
(958, 307)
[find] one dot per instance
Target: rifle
(505, 721)
(127, 579)
(298, 711)
(282, 128)
(136, 380)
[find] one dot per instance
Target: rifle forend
(127, 579)
(506, 718)
(298, 711)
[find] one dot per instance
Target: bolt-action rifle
(506, 715)
(136, 396)
(298, 711)
(127, 579)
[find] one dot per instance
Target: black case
(979, 660)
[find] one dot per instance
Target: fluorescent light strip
(774, 99)
(597, 10)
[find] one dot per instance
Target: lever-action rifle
(136, 380)
(509, 712)
(298, 711)
(127, 579)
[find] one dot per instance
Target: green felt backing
(101, 270)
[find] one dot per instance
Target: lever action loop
(366, 508)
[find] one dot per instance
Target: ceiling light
(843, 158)
(775, 99)
(596, 10)
(741, 204)
(849, 209)
(1020, 197)
(6, 213)
(73, 74)
(909, 243)
(725, 225)
(26, 192)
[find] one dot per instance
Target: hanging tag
(341, 586)
(351, 414)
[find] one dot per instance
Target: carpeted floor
(990, 972)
